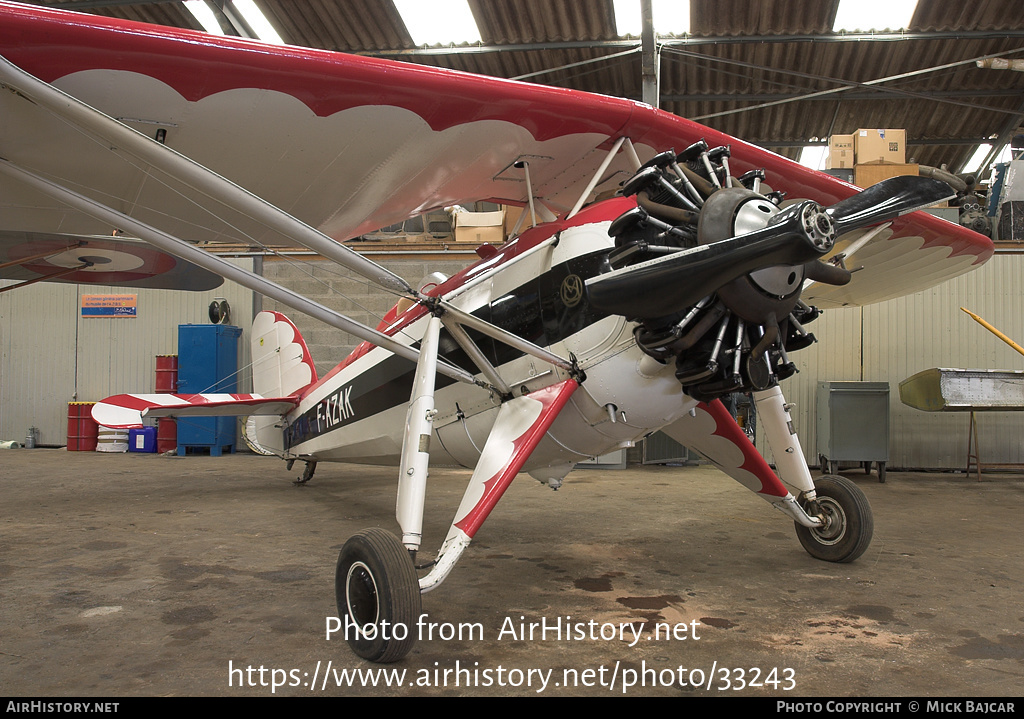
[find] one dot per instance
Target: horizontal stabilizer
(127, 410)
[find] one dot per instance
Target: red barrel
(166, 383)
(166, 434)
(167, 374)
(82, 428)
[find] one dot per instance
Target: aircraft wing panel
(897, 262)
(77, 259)
(351, 144)
(344, 143)
(125, 411)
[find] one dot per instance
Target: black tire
(378, 592)
(850, 526)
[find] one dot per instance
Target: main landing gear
(378, 595)
(375, 583)
(832, 515)
(848, 523)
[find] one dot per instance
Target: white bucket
(10, 444)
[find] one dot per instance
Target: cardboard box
(868, 175)
(480, 227)
(512, 215)
(840, 152)
(877, 147)
(841, 173)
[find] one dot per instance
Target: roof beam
(670, 41)
(650, 56)
(1005, 135)
(864, 95)
(843, 86)
(665, 40)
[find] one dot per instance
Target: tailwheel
(307, 473)
(378, 591)
(848, 526)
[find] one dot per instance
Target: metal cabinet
(853, 425)
(659, 448)
(207, 363)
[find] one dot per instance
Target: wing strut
(479, 359)
(455, 315)
(43, 278)
(220, 266)
(598, 175)
(122, 139)
(710, 430)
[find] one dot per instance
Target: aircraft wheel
(377, 590)
(848, 526)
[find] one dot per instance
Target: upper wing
(351, 144)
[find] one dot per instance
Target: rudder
(281, 366)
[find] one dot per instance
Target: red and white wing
(127, 410)
(351, 144)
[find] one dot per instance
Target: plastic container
(142, 439)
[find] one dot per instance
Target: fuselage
(533, 288)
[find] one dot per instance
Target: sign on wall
(109, 306)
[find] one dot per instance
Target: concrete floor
(142, 575)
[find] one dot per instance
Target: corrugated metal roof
(744, 69)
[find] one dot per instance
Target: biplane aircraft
(664, 265)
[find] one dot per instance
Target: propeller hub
(820, 228)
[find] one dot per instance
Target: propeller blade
(887, 200)
(797, 235)
(667, 284)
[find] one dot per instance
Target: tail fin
(281, 363)
(281, 367)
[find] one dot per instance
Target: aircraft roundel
(109, 261)
(103, 260)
